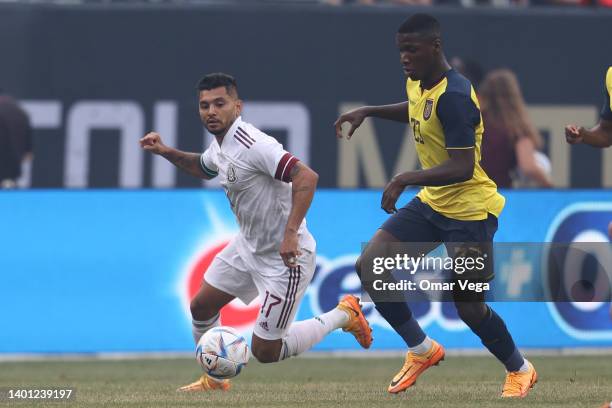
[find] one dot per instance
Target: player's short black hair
(420, 23)
(217, 80)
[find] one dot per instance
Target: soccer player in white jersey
(273, 256)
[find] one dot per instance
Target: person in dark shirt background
(469, 68)
(510, 142)
(15, 140)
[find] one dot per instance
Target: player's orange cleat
(414, 365)
(607, 404)
(205, 383)
(518, 384)
(357, 325)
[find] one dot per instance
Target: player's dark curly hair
(420, 23)
(217, 80)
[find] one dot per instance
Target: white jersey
(254, 171)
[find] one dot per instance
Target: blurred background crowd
(461, 3)
(86, 103)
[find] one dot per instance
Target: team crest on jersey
(428, 109)
(231, 174)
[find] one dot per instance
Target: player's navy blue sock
(497, 339)
(400, 317)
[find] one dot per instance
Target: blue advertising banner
(106, 271)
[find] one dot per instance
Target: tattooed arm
(304, 183)
(188, 162)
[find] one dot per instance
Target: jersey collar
(436, 83)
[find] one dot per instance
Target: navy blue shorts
(418, 222)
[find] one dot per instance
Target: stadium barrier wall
(92, 91)
(113, 271)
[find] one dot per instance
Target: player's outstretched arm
(598, 136)
(304, 183)
(397, 112)
(457, 169)
(458, 115)
(188, 162)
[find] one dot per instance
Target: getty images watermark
(533, 272)
(459, 265)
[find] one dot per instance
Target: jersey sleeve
(269, 157)
(208, 167)
(606, 110)
(459, 117)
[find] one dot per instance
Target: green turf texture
(459, 382)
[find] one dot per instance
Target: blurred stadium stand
(463, 3)
(92, 90)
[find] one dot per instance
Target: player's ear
(437, 45)
(238, 107)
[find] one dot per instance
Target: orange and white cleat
(357, 324)
(607, 404)
(415, 365)
(518, 384)
(205, 383)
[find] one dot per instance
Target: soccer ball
(222, 352)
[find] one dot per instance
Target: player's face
(417, 54)
(218, 109)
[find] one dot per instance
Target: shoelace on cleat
(513, 383)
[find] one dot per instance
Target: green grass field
(459, 382)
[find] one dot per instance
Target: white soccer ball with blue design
(222, 352)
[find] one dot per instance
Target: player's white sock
(199, 327)
(422, 348)
(335, 318)
(525, 367)
(301, 336)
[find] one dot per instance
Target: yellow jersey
(447, 116)
(606, 110)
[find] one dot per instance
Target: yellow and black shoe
(415, 365)
(518, 384)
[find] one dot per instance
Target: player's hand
(289, 249)
(354, 117)
(392, 192)
(152, 142)
(572, 134)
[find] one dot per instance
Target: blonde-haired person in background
(510, 143)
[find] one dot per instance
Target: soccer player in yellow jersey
(457, 204)
(599, 135)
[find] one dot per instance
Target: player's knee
(472, 313)
(265, 352)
